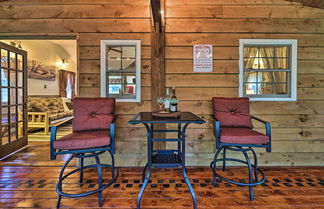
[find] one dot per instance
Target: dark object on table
(165, 158)
(166, 114)
(93, 134)
(233, 131)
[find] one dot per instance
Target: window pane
(250, 51)
(4, 58)
(266, 52)
(250, 88)
(282, 51)
(266, 63)
(4, 77)
(129, 52)
(12, 60)
(114, 64)
(114, 57)
(272, 88)
(250, 76)
(130, 84)
(282, 63)
(129, 64)
(115, 89)
(276, 77)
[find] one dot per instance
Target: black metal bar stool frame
(253, 169)
(81, 154)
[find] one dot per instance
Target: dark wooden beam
(156, 13)
(310, 3)
(158, 61)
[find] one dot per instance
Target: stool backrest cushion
(232, 112)
(93, 113)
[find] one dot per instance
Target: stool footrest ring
(236, 182)
(105, 186)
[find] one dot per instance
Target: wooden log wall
(297, 126)
(298, 134)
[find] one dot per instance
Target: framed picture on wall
(37, 70)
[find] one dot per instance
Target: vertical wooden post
(158, 61)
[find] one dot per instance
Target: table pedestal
(165, 158)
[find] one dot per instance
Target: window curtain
(63, 80)
(72, 80)
(273, 77)
(251, 57)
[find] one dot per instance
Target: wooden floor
(27, 179)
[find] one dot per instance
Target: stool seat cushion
(242, 136)
(83, 140)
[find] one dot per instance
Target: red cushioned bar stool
(234, 131)
(93, 134)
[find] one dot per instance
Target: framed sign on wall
(203, 58)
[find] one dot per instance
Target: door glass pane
(20, 79)
(13, 96)
(20, 112)
(20, 129)
(5, 135)
(4, 58)
(4, 77)
(12, 78)
(13, 132)
(20, 62)
(13, 117)
(4, 96)
(20, 96)
(12, 60)
(4, 116)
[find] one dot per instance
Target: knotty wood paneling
(91, 21)
(297, 126)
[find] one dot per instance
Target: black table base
(166, 158)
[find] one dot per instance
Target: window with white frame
(268, 69)
(121, 70)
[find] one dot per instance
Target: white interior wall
(49, 52)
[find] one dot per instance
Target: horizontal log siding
(91, 21)
(297, 126)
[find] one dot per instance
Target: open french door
(13, 94)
